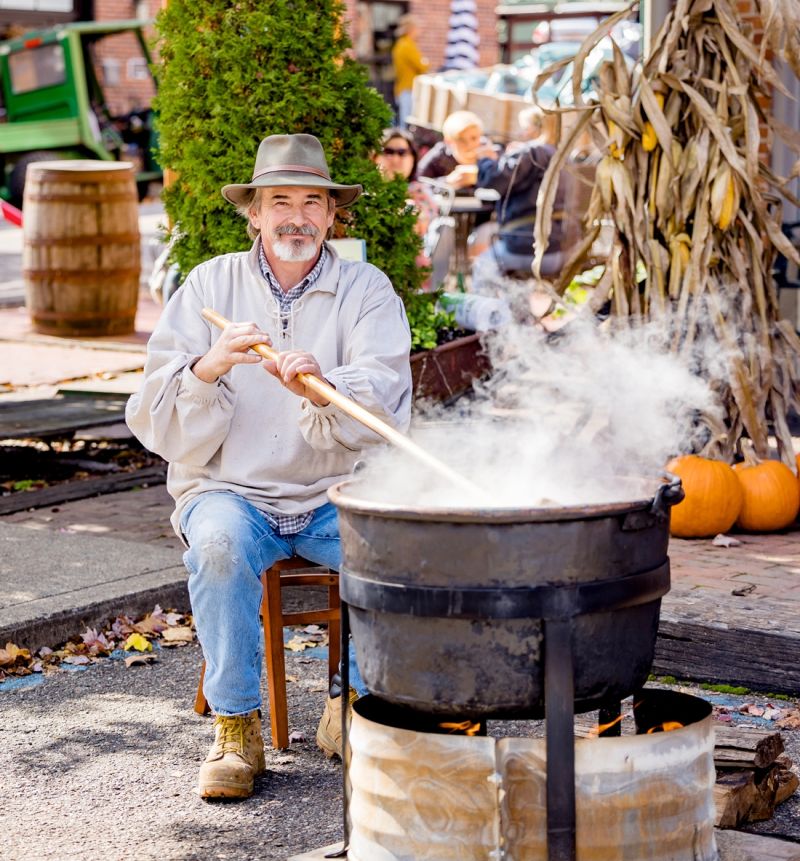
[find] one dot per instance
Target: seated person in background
(516, 176)
(399, 158)
(532, 125)
(455, 158)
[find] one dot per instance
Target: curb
(57, 628)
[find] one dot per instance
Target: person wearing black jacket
(516, 176)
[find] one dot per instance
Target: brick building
(126, 81)
(372, 23)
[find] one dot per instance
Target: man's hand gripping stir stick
(366, 418)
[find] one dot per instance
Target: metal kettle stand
(557, 606)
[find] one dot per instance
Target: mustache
(294, 230)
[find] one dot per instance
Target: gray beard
(291, 250)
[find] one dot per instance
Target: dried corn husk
(688, 197)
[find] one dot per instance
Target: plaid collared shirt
(288, 524)
(285, 299)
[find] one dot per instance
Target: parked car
(52, 105)
(519, 77)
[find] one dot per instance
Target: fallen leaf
(725, 541)
(297, 644)
(772, 713)
(99, 641)
(150, 625)
(11, 654)
(77, 660)
(122, 626)
(139, 660)
(292, 679)
(138, 643)
(178, 635)
(312, 629)
(744, 590)
(296, 735)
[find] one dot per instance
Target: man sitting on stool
(251, 451)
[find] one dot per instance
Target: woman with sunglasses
(398, 157)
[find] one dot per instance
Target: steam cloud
(585, 417)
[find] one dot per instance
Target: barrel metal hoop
(86, 199)
(68, 317)
(547, 601)
(81, 276)
(102, 239)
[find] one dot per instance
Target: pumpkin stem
(749, 452)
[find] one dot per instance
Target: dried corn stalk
(682, 184)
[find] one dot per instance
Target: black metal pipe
(344, 673)
(559, 697)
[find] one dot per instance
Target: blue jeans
(230, 544)
(404, 105)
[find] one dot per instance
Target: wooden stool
(278, 577)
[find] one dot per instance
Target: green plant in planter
(231, 74)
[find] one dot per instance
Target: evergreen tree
(232, 73)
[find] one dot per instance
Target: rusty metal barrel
(419, 791)
(81, 247)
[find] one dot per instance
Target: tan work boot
(329, 731)
(235, 758)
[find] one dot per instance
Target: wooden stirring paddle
(366, 418)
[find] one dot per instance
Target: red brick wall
(130, 93)
(434, 17)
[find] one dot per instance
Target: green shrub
(232, 73)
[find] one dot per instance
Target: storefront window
(373, 38)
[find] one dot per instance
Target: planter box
(444, 373)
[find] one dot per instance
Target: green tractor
(52, 104)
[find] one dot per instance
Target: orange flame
(667, 726)
(467, 727)
(602, 727)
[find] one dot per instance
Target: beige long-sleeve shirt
(245, 432)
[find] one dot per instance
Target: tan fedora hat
(291, 160)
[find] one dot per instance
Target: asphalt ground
(101, 763)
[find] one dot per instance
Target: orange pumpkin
(713, 497)
(771, 493)
(797, 465)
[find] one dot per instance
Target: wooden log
(741, 846)
(766, 783)
(759, 650)
(746, 747)
(71, 490)
(751, 795)
(735, 794)
(788, 782)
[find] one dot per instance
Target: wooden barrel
(81, 256)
